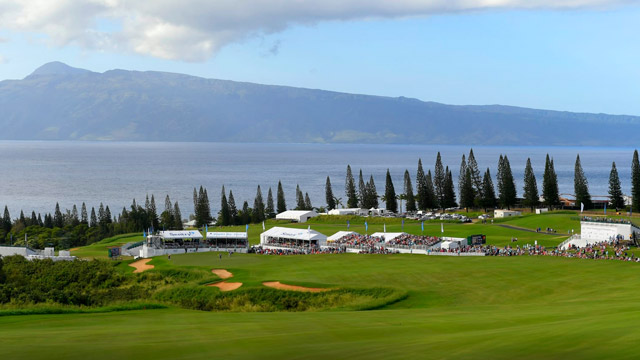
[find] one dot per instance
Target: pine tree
(40, 222)
(281, 203)
(476, 178)
(233, 210)
(506, 184)
(449, 190)
(466, 192)
(461, 180)
(21, 219)
(58, 221)
(408, 193)
(6, 220)
(488, 192)
(307, 202)
(431, 199)
(258, 207)
(391, 203)
(581, 186)
(84, 217)
(34, 218)
(224, 216)
(48, 221)
(195, 205)
(550, 191)
(245, 217)
(94, 219)
(328, 195)
(206, 206)
(615, 189)
(530, 197)
(372, 194)
(107, 215)
(635, 182)
(270, 211)
(177, 216)
(362, 190)
(350, 190)
(439, 180)
(167, 215)
(299, 199)
(422, 197)
(153, 213)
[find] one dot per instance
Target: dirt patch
(222, 273)
(141, 265)
(226, 286)
(280, 286)
(74, 249)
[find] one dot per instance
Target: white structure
(352, 211)
(600, 230)
(502, 213)
(189, 224)
(228, 240)
(379, 212)
(31, 254)
(449, 245)
(279, 238)
(542, 210)
(172, 242)
(387, 236)
(339, 235)
(299, 216)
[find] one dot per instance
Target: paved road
(525, 229)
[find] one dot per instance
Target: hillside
(59, 102)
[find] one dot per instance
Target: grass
(446, 307)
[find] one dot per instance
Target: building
(597, 230)
(351, 211)
(502, 213)
(227, 241)
(31, 254)
(170, 242)
(542, 210)
(299, 216)
(292, 239)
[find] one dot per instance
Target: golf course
(348, 305)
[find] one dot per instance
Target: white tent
(180, 234)
(387, 236)
(449, 245)
(339, 235)
(296, 215)
(294, 237)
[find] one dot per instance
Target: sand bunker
(141, 265)
(226, 286)
(74, 249)
(280, 286)
(222, 273)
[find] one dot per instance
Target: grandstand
(292, 239)
(228, 241)
(188, 241)
(596, 230)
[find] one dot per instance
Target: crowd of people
(413, 240)
(358, 240)
(605, 220)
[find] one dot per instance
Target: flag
(206, 228)
(605, 208)
(144, 233)
(441, 227)
(263, 226)
(402, 224)
(422, 226)
(384, 227)
(246, 228)
(366, 226)
(348, 224)
(581, 207)
(309, 228)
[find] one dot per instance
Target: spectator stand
(227, 241)
(292, 239)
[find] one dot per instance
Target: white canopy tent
(292, 238)
(227, 239)
(299, 216)
(339, 235)
(387, 236)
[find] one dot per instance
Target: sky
(572, 55)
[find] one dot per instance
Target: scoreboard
(476, 239)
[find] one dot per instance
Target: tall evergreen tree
(34, 218)
(461, 179)
(75, 220)
(6, 220)
(635, 182)
(245, 217)
(530, 197)
(421, 188)
(372, 194)
(48, 221)
(224, 216)
(391, 203)
(506, 184)
(58, 221)
(107, 215)
(439, 180)
(270, 210)
(449, 190)
(488, 192)
(550, 191)
(195, 204)
(94, 219)
(206, 206)
(177, 216)
(167, 216)
(615, 189)
(40, 222)
(431, 200)
(84, 217)
(258, 207)
(281, 203)
(466, 192)
(153, 213)
(299, 198)
(21, 219)
(476, 177)
(581, 186)
(233, 210)
(328, 195)
(350, 190)
(101, 219)
(307, 202)
(408, 193)
(362, 190)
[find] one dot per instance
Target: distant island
(59, 102)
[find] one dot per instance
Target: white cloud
(194, 30)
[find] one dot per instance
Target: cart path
(527, 230)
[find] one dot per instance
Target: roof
(184, 234)
(297, 234)
(294, 214)
(226, 235)
(339, 235)
(387, 236)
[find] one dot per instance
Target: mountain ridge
(59, 102)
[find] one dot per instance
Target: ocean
(37, 174)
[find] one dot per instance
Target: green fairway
(453, 307)
(99, 250)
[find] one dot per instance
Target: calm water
(37, 174)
